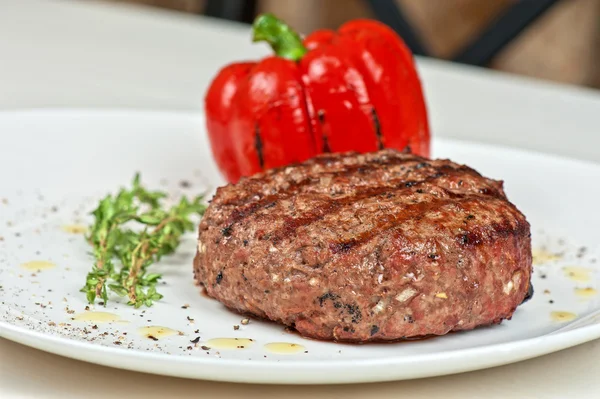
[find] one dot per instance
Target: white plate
(55, 165)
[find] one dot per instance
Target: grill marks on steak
(316, 168)
(356, 247)
(421, 174)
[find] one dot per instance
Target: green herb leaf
(91, 296)
(117, 289)
(123, 255)
(156, 297)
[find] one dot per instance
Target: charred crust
(464, 239)
(529, 293)
(506, 229)
(410, 211)
(321, 116)
(374, 330)
(258, 146)
(409, 319)
(342, 247)
(326, 147)
(245, 242)
(219, 277)
(495, 230)
(240, 214)
(377, 127)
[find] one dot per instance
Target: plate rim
(305, 372)
(289, 371)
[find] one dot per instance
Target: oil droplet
(36, 265)
(229, 343)
(543, 256)
(284, 348)
(577, 273)
(157, 332)
(562, 316)
(74, 229)
(586, 293)
(97, 317)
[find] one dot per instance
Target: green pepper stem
(284, 41)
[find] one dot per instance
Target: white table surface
(86, 54)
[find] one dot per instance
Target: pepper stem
(284, 41)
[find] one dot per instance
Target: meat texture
(367, 247)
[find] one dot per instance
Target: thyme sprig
(132, 231)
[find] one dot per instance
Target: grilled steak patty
(361, 247)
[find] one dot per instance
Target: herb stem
(123, 255)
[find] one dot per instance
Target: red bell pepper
(351, 90)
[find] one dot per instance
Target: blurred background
(557, 40)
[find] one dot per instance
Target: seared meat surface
(361, 247)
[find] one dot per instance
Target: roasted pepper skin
(354, 89)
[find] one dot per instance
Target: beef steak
(362, 247)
